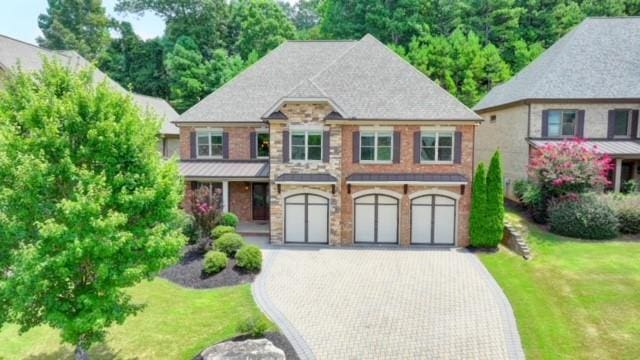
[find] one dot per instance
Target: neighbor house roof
(224, 169)
(599, 59)
(609, 147)
(361, 79)
(31, 58)
(452, 178)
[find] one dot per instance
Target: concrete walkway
(372, 303)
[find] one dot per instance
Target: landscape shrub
(191, 230)
(627, 210)
(495, 202)
(520, 187)
(229, 243)
(221, 230)
(477, 219)
(255, 326)
(249, 257)
(582, 216)
(215, 261)
(204, 206)
(229, 219)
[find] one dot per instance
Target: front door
(260, 201)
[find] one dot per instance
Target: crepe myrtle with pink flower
(570, 166)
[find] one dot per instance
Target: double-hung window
(209, 144)
(562, 123)
(622, 123)
(436, 147)
(262, 145)
(306, 145)
(376, 146)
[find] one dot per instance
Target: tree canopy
(87, 206)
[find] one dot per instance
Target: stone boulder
(253, 349)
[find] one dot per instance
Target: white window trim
(575, 125)
(628, 135)
(258, 133)
(437, 145)
(306, 145)
(209, 132)
(376, 134)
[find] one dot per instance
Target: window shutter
(285, 146)
(356, 147)
(416, 147)
(634, 124)
(225, 145)
(325, 145)
(192, 143)
(194, 185)
(253, 145)
(457, 152)
(545, 123)
(396, 147)
(611, 127)
(580, 128)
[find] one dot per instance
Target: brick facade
(239, 148)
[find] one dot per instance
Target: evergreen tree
(477, 219)
(80, 25)
(495, 201)
(187, 74)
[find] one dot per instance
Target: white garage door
(376, 219)
(433, 220)
(306, 219)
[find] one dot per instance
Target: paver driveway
(371, 303)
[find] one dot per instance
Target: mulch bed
(489, 250)
(278, 339)
(188, 272)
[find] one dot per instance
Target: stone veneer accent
(301, 114)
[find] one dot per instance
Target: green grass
(576, 299)
(176, 324)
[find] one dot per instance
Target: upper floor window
(262, 142)
(622, 123)
(209, 144)
(437, 147)
(562, 123)
(376, 146)
(306, 145)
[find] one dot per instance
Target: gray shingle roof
(224, 169)
(399, 177)
(328, 178)
(599, 59)
(30, 58)
(363, 79)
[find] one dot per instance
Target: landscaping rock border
(277, 339)
(188, 272)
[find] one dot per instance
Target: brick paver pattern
(390, 304)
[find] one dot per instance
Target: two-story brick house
(586, 85)
(336, 142)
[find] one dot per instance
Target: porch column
(225, 196)
(618, 175)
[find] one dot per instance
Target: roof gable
(361, 80)
(599, 59)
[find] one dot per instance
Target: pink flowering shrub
(570, 166)
(204, 206)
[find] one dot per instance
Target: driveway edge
(258, 289)
(511, 334)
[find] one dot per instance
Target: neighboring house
(338, 142)
(30, 58)
(586, 85)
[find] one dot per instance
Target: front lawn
(575, 299)
(176, 324)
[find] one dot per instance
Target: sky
(19, 19)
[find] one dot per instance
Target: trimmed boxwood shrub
(229, 219)
(214, 262)
(582, 216)
(627, 210)
(229, 243)
(249, 257)
(221, 230)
